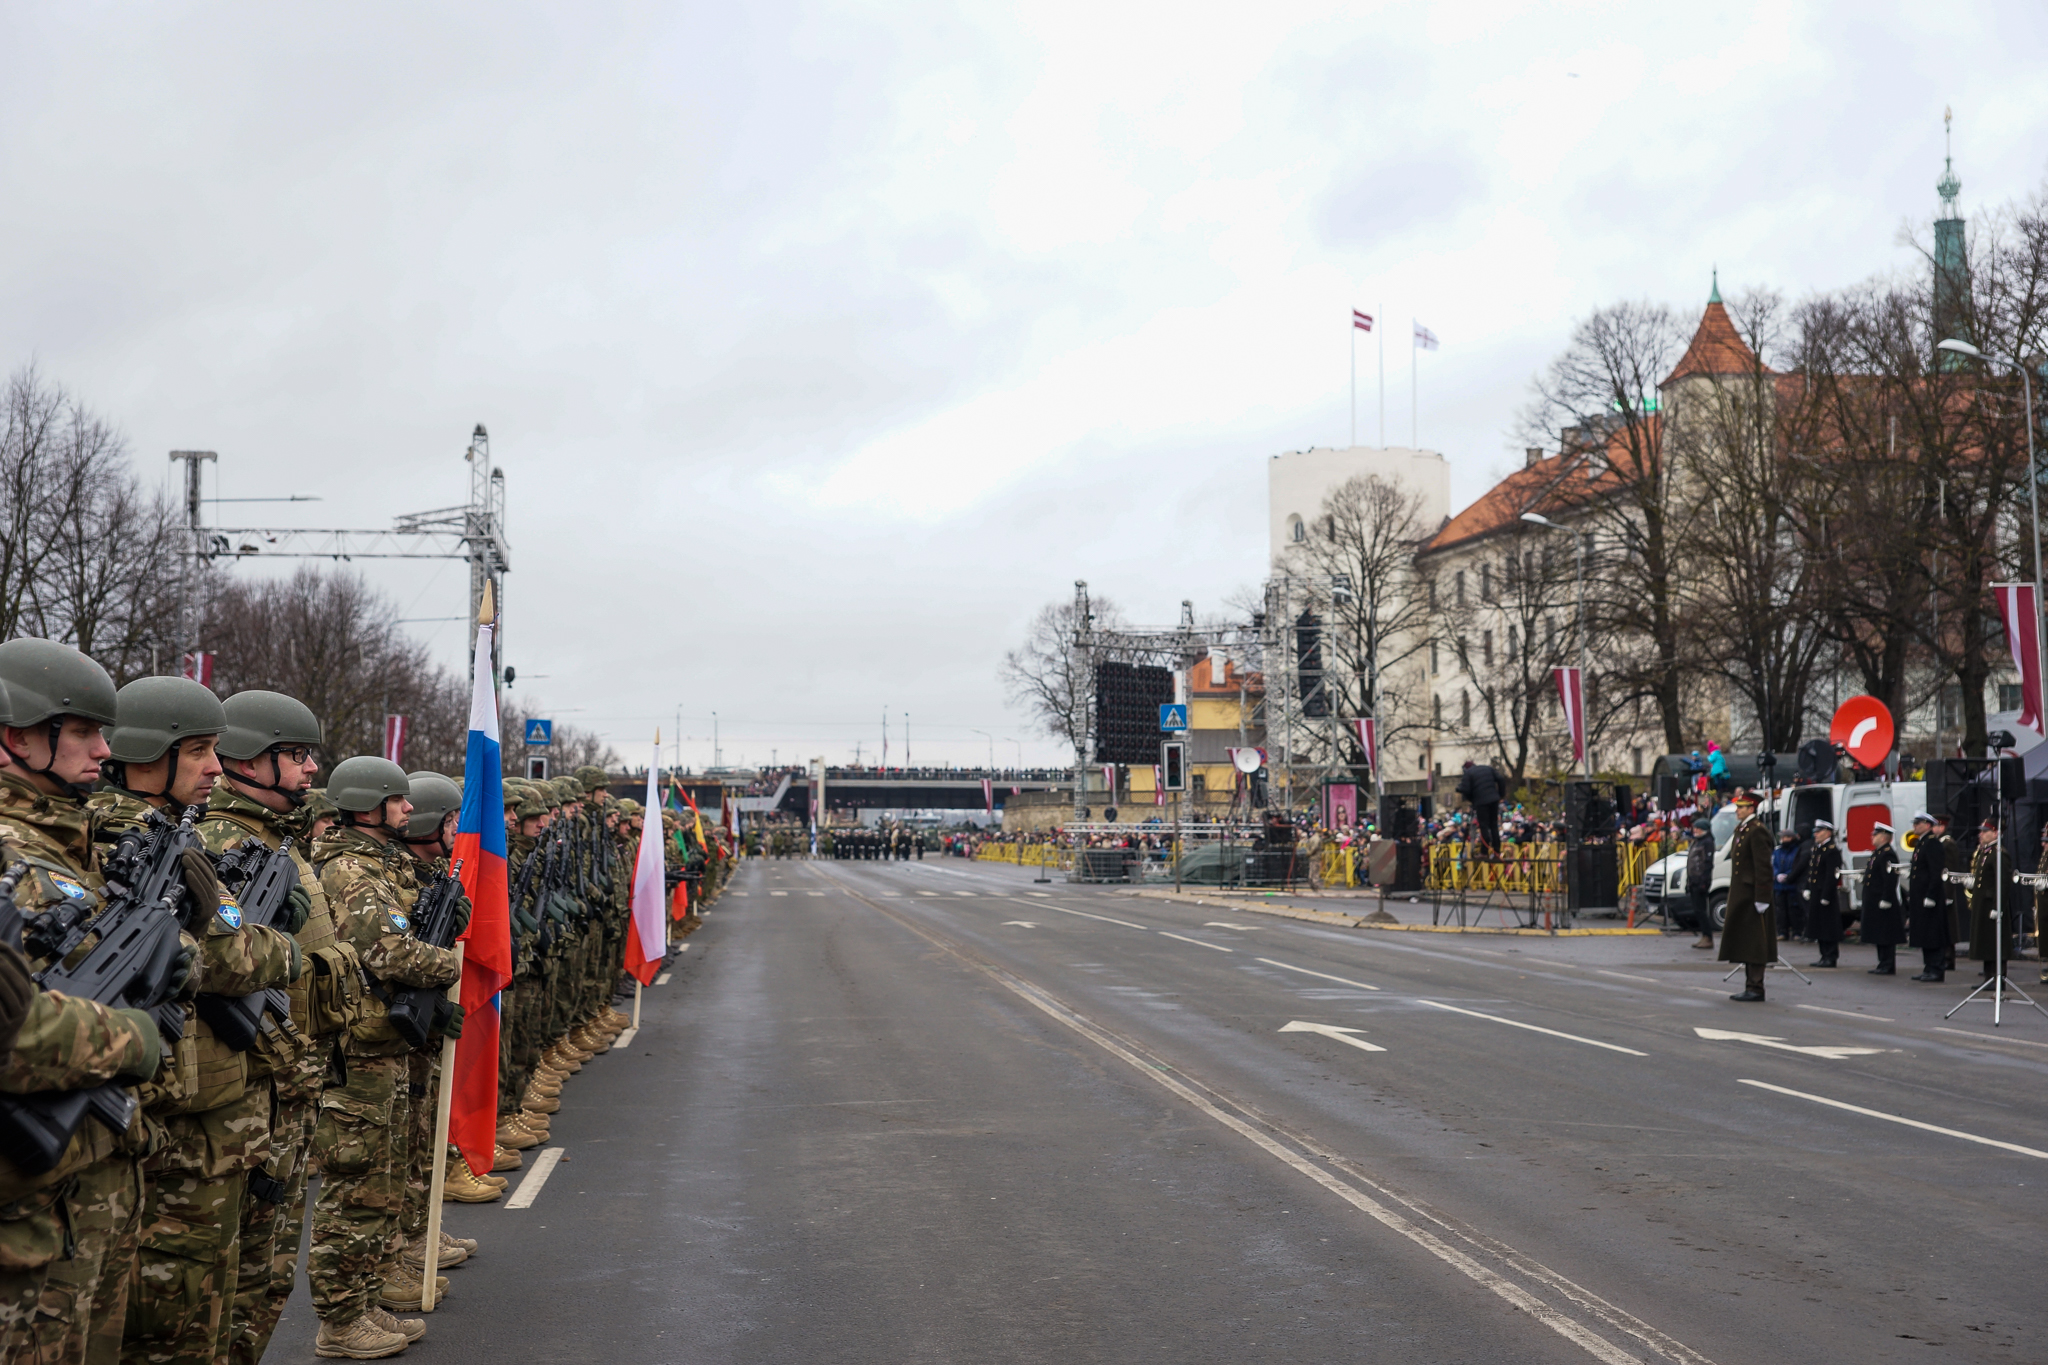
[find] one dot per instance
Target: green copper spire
(1948, 187)
(1951, 261)
(1715, 297)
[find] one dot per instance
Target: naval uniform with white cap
(1884, 916)
(1824, 894)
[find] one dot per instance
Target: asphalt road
(934, 1112)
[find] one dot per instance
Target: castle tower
(1951, 268)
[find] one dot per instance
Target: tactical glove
(200, 880)
(298, 905)
(452, 1028)
(184, 978)
(463, 910)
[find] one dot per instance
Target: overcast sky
(823, 343)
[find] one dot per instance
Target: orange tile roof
(1551, 486)
(1717, 348)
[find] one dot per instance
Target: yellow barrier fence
(1025, 855)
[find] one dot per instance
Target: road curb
(1335, 918)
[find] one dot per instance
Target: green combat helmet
(318, 807)
(522, 800)
(46, 682)
(365, 782)
(262, 723)
(433, 797)
(152, 715)
(593, 778)
(571, 789)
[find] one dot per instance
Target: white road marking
(1038, 893)
(1085, 915)
(662, 980)
(1237, 928)
(1989, 1038)
(1022, 923)
(1895, 1118)
(814, 893)
(778, 893)
(626, 1036)
(1833, 1054)
(529, 1188)
(1198, 943)
(1306, 972)
(1536, 1028)
(927, 893)
(1853, 1014)
(1337, 1031)
(966, 893)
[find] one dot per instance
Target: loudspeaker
(1817, 761)
(1398, 820)
(1595, 883)
(2029, 815)
(1587, 813)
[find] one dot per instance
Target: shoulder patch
(70, 886)
(230, 911)
(400, 922)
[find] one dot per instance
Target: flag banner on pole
(1571, 690)
(1368, 731)
(1424, 338)
(1109, 779)
(394, 739)
(198, 667)
(1362, 321)
(1158, 785)
(487, 942)
(988, 795)
(2019, 608)
(646, 930)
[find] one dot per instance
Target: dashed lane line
(1197, 942)
(1534, 1028)
(1898, 1118)
(1290, 967)
(529, 1188)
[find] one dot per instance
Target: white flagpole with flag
(1424, 340)
(1571, 691)
(1362, 322)
(647, 929)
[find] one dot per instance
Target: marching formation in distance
(217, 980)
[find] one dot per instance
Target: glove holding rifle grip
(417, 1012)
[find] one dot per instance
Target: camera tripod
(1768, 966)
(1999, 987)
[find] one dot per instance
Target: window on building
(1514, 644)
(2008, 696)
(1432, 658)
(1464, 652)
(1486, 582)
(1436, 712)
(1432, 594)
(1296, 531)
(1458, 589)
(1637, 754)
(1486, 647)
(1464, 709)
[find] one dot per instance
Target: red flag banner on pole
(1368, 731)
(1158, 785)
(198, 667)
(1362, 321)
(1571, 690)
(2019, 608)
(988, 795)
(394, 739)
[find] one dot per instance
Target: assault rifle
(524, 921)
(128, 967)
(262, 879)
(417, 1010)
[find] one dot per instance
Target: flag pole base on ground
(443, 1095)
(637, 988)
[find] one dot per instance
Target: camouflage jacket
(210, 1098)
(371, 893)
(66, 1042)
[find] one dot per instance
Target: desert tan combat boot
(415, 1256)
(412, 1329)
(361, 1339)
(402, 1290)
(505, 1159)
(463, 1188)
(540, 1104)
(514, 1138)
(465, 1245)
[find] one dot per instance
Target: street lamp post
(991, 750)
(1578, 628)
(2033, 480)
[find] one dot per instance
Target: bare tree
(1510, 633)
(1050, 678)
(1353, 598)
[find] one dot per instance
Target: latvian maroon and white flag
(394, 739)
(1571, 689)
(1158, 785)
(1362, 321)
(1109, 779)
(2019, 608)
(988, 794)
(1368, 731)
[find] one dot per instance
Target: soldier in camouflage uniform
(361, 1139)
(526, 820)
(268, 761)
(215, 1117)
(67, 1234)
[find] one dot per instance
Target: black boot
(1931, 974)
(1827, 961)
(1884, 969)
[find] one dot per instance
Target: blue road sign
(539, 734)
(1173, 715)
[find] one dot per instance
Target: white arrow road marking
(1337, 1031)
(1534, 1028)
(1238, 928)
(1340, 980)
(1895, 1118)
(1831, 1053)
(1021, 923)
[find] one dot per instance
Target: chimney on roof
(1532, 456)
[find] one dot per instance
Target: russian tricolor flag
(487, 950)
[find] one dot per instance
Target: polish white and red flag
(647, 929)
(2019, 607)
(1571, 691)
(1368, 731)
(1362, 321)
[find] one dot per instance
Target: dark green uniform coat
(1751, 935)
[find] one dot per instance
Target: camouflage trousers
(360, 1142)
(184, 1282)
(64, 1299)
(423, 1069)
(270, 1232)
(510, 1083)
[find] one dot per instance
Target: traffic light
(1173, 765)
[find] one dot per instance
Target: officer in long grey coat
(1750, 935)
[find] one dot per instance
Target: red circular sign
(1863, 726)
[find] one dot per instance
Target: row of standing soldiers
(170, 1231)
(868, 845)
(1922, 903)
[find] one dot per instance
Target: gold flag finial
(487, 611)
(657, 736)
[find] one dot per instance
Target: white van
(1853, 808)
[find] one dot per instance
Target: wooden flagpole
(443, 1096)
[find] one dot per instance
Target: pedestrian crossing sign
(1173, 715)
(540, 734)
